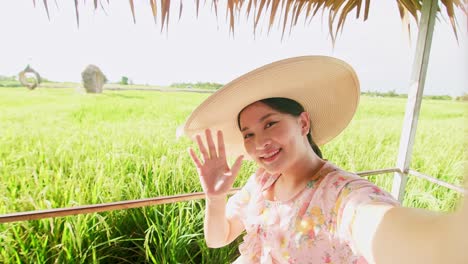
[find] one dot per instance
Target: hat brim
(327, 88)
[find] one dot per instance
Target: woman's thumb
(237, 165)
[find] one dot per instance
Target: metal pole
(439, 182)
(421, 59)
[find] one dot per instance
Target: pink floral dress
(312, 227)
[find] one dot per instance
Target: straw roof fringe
(288, 12)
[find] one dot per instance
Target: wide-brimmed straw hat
(327, 88)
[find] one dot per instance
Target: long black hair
(291, 107)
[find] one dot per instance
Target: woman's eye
(247, 135)
(269, 124)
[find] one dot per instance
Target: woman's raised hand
(215, 175)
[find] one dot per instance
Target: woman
(297, 207)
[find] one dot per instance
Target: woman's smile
(270, 156)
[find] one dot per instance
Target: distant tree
(124, 80)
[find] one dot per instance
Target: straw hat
(328, 88)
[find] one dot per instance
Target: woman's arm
(387, 234)
(219, 230)
(216, 178)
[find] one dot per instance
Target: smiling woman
(297, 206)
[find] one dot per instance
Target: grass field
(59, 148)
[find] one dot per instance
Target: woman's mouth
(270, 157)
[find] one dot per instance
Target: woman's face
(274, 140)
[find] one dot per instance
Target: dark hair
(287, 106)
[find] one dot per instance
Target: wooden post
(421, 59)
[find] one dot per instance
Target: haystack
(29, 78)
(93, 79)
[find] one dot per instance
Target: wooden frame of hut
(401, 171)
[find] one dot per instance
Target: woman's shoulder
(341, 184)
(335, 179)
(334, 173)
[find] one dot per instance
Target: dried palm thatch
(93, 79)
(288, 12)
(25, 80)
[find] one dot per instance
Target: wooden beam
(413, 105)
(96, 208)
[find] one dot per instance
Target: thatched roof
(288, 12)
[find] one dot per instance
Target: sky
(203, 50)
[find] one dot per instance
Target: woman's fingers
(202, 148)
(212, 170)
(211, 152)
(195, 158)
(210, 142)
(221, 148)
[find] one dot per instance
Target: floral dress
(312, 227)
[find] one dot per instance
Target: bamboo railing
(104, 207)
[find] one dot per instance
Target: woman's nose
(262, 142)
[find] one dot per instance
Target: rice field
(60, 148)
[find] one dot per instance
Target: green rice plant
(59, 148)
